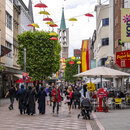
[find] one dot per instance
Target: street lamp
(79, 62)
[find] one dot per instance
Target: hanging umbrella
(53, 34)
(47, 19)
(73, 19)
(44, 12)
(50, 23)
(30, 25)
(40, 5)
(89, 15)
(35, 25)
(19, 81)
(53, 38)
(73, 57)
(55, 25)
(71, 62)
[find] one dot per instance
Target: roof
(63, 25)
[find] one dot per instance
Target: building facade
(77, 53)
(63, 34)
(103, 45)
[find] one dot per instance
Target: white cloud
(82, 29)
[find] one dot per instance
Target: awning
(4, 50)
(18, 75)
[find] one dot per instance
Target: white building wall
(25, 19)
(9, 33)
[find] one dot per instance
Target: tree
(43, 54)
(71, 70)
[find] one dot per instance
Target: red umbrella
(89, 15)
(53, 38)
(30, 25)
(71, 62)
(19, 81)
(47, 19)
(40, 5)
(55, 25)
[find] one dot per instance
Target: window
(102, 61)
(105, 22)
(105, 41)
(9, 45)
(64, 49)
(8, 20)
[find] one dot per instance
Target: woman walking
(41, 100)
(69, 96)
(20, 97)
(56, 98)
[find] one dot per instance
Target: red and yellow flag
(85, 56)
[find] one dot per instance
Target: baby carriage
(86, 109)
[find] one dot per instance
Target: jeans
(54, 105)
(11, 102)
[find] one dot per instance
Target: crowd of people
(52, 95)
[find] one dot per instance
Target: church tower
(63, 33)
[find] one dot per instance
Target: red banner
(123, 59)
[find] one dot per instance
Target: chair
(118, 101)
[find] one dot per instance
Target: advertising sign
(125, 25)
(123, 59)
(85, 55)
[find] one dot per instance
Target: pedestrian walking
(12, 93)
(30, 100)
(41, 100)
(49, 91)
(56, 98)
(69, 96)
(76, 96)
(20, 97)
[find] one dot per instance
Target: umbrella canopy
(53, 38)
(102, 71)
(44, 12)
(72, 19)
(89, 15)
(30, 25)
(47, 19)
(55, 25)
(53, 34)
(35, 25)
(50, 23)
(40, 5)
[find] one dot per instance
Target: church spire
(63, 25)
(30, 9)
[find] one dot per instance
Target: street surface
(113, 120)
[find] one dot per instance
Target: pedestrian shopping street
(113, 120)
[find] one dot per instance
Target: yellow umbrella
(79, 62)
(44, 12)
(73, 57)
(50, 23)
(35, 25)
(53, 34)
(73, 19)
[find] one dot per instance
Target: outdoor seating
(118, 102)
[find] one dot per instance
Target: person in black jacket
(12, 93)
(76, 97)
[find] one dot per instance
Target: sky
(78, 30)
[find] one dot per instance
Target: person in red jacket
(56, 98)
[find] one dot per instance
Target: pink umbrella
(40, 5)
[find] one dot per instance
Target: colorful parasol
(53, 38)
(89, 15)
(44, 12)
(47, 19)
(53, 34)
(73, 57)
(73, 19)
(50, 23)
(55, 25)
(71, 62)
(40, 5)
(30, 25)
(35, 25)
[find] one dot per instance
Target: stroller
(86, 109)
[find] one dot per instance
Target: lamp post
(25, 65)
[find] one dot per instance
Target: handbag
(66, 100)
(52, 98)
